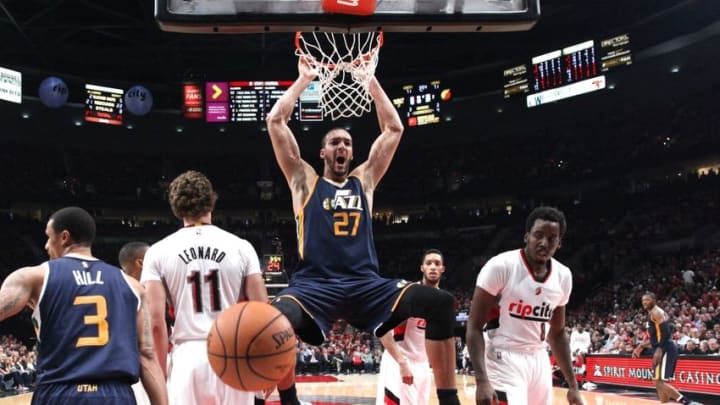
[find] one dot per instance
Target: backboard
(256, 16)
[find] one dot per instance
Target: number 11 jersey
(203, 269)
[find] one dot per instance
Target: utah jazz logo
(347, 215)
(343, 200)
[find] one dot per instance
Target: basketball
(251, 346)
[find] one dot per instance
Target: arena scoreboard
(422, 104)
(250, 101)
(272, 263)
(567, 72)
(103, 104)
(275, 277)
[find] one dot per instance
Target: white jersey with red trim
(203, 269)
(525, 304)
(410, 336)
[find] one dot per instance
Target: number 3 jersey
(334, 232)
(203, 269)
(86, 321)
(525, 304)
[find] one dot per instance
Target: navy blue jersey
(334, 231)
(87, 320)
(660, 334)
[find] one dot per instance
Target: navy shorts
(364, 303)
(113, 393)
(665, 370)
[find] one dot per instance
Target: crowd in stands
(17, 366)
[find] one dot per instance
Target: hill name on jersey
(85, 278)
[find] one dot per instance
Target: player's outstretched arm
(296, 171)
(19, 289)
(151, 375)
(560, 346)
(480, 306)
(384, 147)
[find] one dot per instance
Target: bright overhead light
(675, 69)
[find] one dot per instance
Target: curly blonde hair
(191, 195)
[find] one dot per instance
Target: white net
(345, 65)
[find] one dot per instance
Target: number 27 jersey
(334, 231)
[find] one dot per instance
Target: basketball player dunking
(92, 320)
(531, 289)
(205, 270)
(337, 275)
(405, 375)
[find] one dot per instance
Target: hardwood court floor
(360, 390)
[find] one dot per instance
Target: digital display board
(421, 104)
(217, 108)
(103, 104)
(192, 101)
(309, 106)
(251, 101)
(272, 263)
(567, 72)
(547, 71)
(10, 85)
(580, 62)
(615, 52)
(516, 81)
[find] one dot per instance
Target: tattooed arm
(21, 288)
(151, 375)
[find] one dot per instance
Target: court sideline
(360, 390)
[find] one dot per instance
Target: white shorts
(525, 378)
(192, 381)
(391, 389)
(141, 397)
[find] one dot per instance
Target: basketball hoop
(345, 65)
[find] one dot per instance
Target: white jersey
(526, 304)
(203, 269)
(410, 337)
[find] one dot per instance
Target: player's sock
(448, 397)
(683, 400)
(289, 396)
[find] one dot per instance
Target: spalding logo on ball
(138, 100)
(53, 92)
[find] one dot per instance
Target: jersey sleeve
(567, 285)
(151, 270)
(493, 276)
(250, 257)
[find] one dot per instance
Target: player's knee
(442, 320)
(440, 315)
(291, 310)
